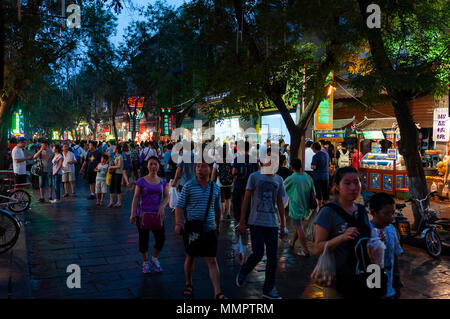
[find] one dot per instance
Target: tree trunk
(409, 148)
(5, 108)
(2, 46)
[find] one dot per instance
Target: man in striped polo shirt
(192, 204)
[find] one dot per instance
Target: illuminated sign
(373, 135)
(323, 118)
(134, 101)
(17, 124)
(166, 119)
(55, 135)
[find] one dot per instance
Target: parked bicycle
(9, 230)
(13, 196)
(426, 230)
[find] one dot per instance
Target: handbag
(194, 230)
(151, 220)
(108, 178)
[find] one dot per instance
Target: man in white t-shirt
(309, 153)
(19, 162)
(68, 169)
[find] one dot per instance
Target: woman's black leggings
(144, 237)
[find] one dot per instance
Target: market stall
(382, 168)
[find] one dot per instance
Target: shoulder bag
(194, 229)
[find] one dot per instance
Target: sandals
(220, 296)
(188, 291)
(117, 206)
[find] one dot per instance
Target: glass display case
(382, 161)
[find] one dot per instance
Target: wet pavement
(104, 244)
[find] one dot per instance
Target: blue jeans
(261, 236)
(57, 185)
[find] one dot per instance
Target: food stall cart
(381, 172)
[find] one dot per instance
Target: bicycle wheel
(433, 244)
(9, 231)
(23, 201)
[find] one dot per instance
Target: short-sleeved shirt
(321, 161)
(126, 160)
(19, 168)
(92, 158)
(309, 154)
(151, 195)
(188, 170)
(335, 225)
(118, 158)
(194, 199)
(298, 188)
(69, 157)
(266, 190)
(55, 162)
(101, 176)
(393, 249)
(134, 155)
(167, 156)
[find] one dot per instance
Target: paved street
(103, 243)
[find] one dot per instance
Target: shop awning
(343, 123)
(376, 124)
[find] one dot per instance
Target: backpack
(77, 154)
(244, 172)
(353, 283)
(225, 173)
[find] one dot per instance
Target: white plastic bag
(173, 194)
(308, 225)
(376, 248)
(238, 250)
(324, 273)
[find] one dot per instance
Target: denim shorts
(45, 180)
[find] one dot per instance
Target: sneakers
(228, 215)
(146, 267)
(91, 196)
(240, 279)
(271, 295)
(41, 200)
(53, 201)
(155, 264)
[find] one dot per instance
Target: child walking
(382, 208)
(100, 180)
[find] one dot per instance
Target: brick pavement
(105, 245)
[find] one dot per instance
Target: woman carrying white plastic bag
(173, 194)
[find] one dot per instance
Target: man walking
(321, 174)
(93, 157)
(200, 196)
(264, 194)
(309, 153)
(20, 162)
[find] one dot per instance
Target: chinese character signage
(323, 118)
(441, 125)
(17, 124)
(166, 119)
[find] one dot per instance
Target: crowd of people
(226, 183)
